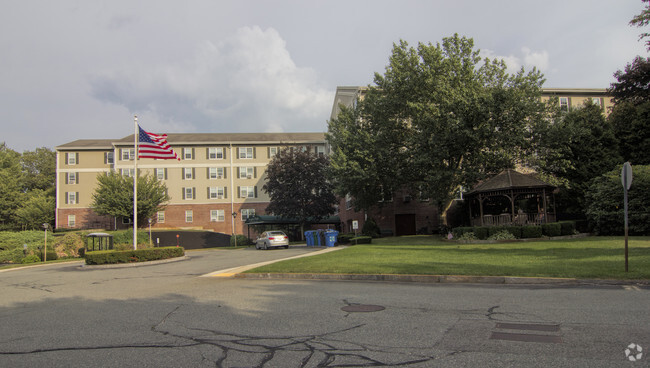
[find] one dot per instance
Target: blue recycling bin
(309, 238)
(331, 236)
(318, 238)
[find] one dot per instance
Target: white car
(271, 239)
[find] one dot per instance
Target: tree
(642, 20)
(587, 142)
(114, 196)
(36, 209)
(298, 187)
(439, 118)
(605, 202)
(632, 129)
(39, 169)
(633, 82)
(10, 185)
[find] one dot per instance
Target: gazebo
(511, 198)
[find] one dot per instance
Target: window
(129, 173)
(71, 197)
(71, 158)
(72, 178)
(348, 202)
(320, 150)
(247, 213)
(215, 153)
(217, 215)
(564, 104)
(215, 173)
(247, 192)
(189, 216)
(246, 152)
(128, 154)
(188, 153)
(596, 101)
(160, 217)
(188, 173)
(246, 172)
(273, 151)
(108, 158)
(161, 173)
(216, 192)
(188, 193)
(72, 221)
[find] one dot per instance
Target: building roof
(176, 139)
(509, 179)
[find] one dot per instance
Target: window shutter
(225, 173)
(76, 177)
(569, 101)
(208, 188)
(224, 152)
(105, 158)
(254, 151)
(238, 192)
(255, 191)
(66, 197)
(207, 173)
(238, 173)
(66, 158)
(66, 178)
(255, 172)
(193, 157)
(193, 192)
(207, 153)
(76, 158)
(602, 104)
(193, 172)
(76, 197)
(225, 192)
(165, 173)
(183, 173)
(183, 192)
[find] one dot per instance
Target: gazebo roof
(510, 179)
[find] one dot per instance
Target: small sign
(626, 175)
(355, 225)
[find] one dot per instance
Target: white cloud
(247, 82)
(528, 59)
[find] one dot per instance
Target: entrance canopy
(512, 198)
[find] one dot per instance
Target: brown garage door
(405, 224)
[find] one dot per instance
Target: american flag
(154, 146)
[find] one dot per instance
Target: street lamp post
(234, 216)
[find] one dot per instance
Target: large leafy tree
(39, 169)
(36, 209)
(10, 185)
(641, 20)
(439, 118)
(298, 187)
(114, 196)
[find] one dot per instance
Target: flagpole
(135, 183)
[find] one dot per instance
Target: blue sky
(81, 69)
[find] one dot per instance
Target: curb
(132, 264)
(443, 279)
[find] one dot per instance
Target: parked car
(270, 239)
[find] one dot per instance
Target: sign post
(626, 179)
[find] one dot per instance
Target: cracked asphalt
(166, 315)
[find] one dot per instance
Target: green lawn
(591, 257)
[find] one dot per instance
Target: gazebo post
(480, 204)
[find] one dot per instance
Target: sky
(79, 69)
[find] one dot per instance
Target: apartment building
(218, 175)
(404, 215)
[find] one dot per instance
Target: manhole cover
(362, 308)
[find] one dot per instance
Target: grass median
(584, 258)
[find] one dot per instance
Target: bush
(371, 229)
(32, 258)
(514, 230)
(131, 256)
(459, 231)
(345, 238)
(12, 256)
(567, 227)
(467, 236)
(552, 229)
(531, 231)
(69, 244)
(482, 232)
(493, 230)
(242, 240)
(51, 254)
(502, 235)
(361, 240)
(122, 237)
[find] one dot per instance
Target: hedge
(567, 227)
(531, 231)
(361, 240)
(552, 229)
(132, 256)
(344, 238)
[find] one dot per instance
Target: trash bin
(320, 240)
(309, 238)
(331, 237)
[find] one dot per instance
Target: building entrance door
(405, 224)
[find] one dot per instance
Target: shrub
(12, 256)
(552, 229)
(344, 238)
(531, 231)
(467, 236)
(361, 240)
(502, 235)
(69, 244)
(493, 230)
(32, 258)
(481, 232)
(242, 240)
(371, 229)
(459, 231)
(567, 227)
(514, 230)
(51, 254)
(131, 256)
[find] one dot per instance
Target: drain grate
(362, 308)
